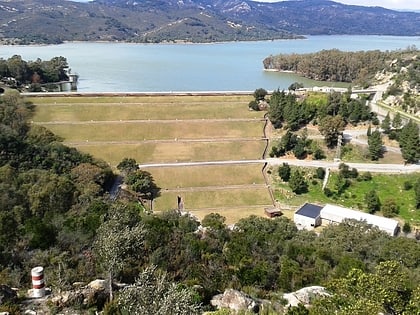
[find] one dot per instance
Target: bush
(320, 173)
(406, 227)
(366, 176)
(393, 135)
(254, 105)
(390, 208)
(284, 172)
(408, 185)
(319, 154)
(328, 192)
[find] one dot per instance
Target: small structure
(336, 214)
(38, 284)
(272, 212)
(308, 216)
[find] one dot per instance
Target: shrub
(328, 192)
(320, 172)
(284, 172)
(406, 227)
(366, 176)
(390, 208)
(408, 185)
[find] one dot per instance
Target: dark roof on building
(310, 210)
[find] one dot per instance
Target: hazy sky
(390, 4)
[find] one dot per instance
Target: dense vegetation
(55, 21)
(55, 211)
(16, 72)
(336, 65)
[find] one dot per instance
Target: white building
(310, 216)
(336, 214)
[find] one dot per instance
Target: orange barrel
(38, 284)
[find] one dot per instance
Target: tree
(406, 228)
(284, 172)
(320, 172)
(331, 127)
(277, 104)
(386, 124)
(300, 149)
(409, 141)
(260, 94)
(298, 183)
(154, 294)
(214, 221)
(295, 86)
(375, 144)
(127, 166)
(119, 237)
(143, 183)
(372, 201)
(397, 121)
(386, 291)
(390, 208)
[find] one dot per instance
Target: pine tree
(297, 183)
(284, 172)
(397, 121)
(386, 124)
(372, 201)
(410, 142)
(375, 145)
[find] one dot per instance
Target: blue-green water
(236, 66)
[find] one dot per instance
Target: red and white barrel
(38, 284)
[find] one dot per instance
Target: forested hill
(55, 21)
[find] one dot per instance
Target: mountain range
(56, 21)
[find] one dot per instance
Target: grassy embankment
(157, 129)
(200, 128)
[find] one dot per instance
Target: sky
(389, 4)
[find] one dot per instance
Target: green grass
(386, 186)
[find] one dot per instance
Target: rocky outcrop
(235, 300)
(93, 293)
(304, 296)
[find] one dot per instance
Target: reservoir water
(234, 66)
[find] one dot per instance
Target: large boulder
(7, 294)
(235, 300)
(304, 296)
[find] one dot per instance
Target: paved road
(364, 167)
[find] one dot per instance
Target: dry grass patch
(209, 175)
(228, 198)
(138, 131)
(174, 151)
(169, 107)
(48, 100)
